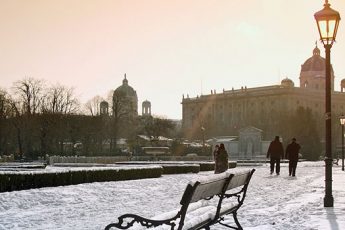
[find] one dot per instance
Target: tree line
(38, 119)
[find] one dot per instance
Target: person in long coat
(291, 153)
(275, 152)
(221, 160)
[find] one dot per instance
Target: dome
(147, 103)
(125, 90)
(314, 63)
(104, 104)
(287, 82)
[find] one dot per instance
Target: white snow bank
(272, 202)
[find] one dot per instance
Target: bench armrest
(128, 220)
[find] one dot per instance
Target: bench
(205, 202)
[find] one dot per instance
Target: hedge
(180, 168)
(12, 181)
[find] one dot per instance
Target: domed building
(125, 101)
(146, 108)
(313, 72)
(104, 108)
(286, 82)
(227, 112)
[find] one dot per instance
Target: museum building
(228, 112)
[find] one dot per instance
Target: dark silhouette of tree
(92, 106)
(60, 99)
(30, 94)
(58, 102)
(154, 127)
(302, 125)
(5, 131)
(120, 119)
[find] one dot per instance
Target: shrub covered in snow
(20, 180)
(180, 168)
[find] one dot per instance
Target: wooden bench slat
(208, 189)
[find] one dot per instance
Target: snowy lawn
(272, 202)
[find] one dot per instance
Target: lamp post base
(328, 201)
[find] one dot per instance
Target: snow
(272, 202)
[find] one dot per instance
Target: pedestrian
(221, 160)
(291, 153)
(215, 152)
(275, 152)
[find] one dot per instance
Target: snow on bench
(204, 202)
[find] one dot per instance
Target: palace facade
(225, 113)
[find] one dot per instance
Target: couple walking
(221, 159)
(276, 152)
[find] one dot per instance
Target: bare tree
(30, 93)
(17, 122)
(60, 99)
(109, 99)
(3, 103)
(92, 106)
(5, 112)
(119, 117)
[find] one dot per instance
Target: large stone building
(227, 112)
(125, 101)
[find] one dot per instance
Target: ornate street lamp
(342, 122)
(327, 21)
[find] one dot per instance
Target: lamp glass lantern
(327, 21)
(342, 120)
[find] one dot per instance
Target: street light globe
(342, 119)
(327, 21)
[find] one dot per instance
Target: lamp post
(203, 138)
(342, 122)
(327, 21)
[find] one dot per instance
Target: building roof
(314, 63)
(146, 102)
(104, 103)
(125, 90)
(287, 82)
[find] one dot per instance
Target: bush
(207, 166)
(19, 181)
(181, 168)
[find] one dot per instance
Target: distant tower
(146, 108)
(104, 108)
(342, 85)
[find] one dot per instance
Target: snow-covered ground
(272, 202)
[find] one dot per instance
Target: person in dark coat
(221, 160)
(215, 151)
(275, 152)
(291, 153)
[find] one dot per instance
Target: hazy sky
(167, 47)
